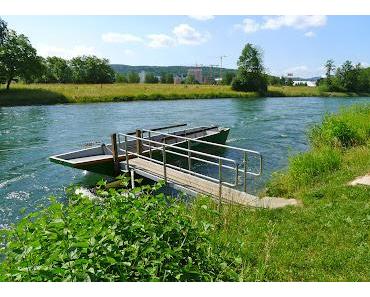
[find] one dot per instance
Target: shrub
(131, 235)
(250, 83)
(350, 128)
(306, 167)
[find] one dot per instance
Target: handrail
(164, 151)
(217, 145)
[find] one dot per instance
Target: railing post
(164, 164)
(189, 155)
(150, 145)
(116, 167)
(127, 158)
(132, 173)
(245, 171)
(220, 182)
(139, 144)
(236, 174)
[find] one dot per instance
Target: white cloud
(299, 22)
(111, 37)
(249, 26)
(187, 35)
(310, 34)
(202, 17)
(129, 52)
(303, 71)
(160, 40)
(294, 21)
(67, 53)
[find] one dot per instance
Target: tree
(3, 31)
(121, 78)
(18, 58)
(90, 69)
(330, 67)
(58, 70)
(166, 78)
(169, 78)
(289, 82)
(190, 80)
(348, 76)
(133, 77)
(250, 75)
(228, 77)
(150, 78)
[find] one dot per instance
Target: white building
(142, 77)
(309, 83)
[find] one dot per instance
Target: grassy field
(327, 239)
(136, 235)
(21, 94)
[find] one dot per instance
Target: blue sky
(296, 44)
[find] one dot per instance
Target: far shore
(47, 94)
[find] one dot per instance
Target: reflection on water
(29, 135)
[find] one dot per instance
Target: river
(29, 135)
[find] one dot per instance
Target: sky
(290, 44)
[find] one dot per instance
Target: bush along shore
(140, 235)
(38, 94)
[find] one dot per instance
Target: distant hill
(157, 70)
(181, 70)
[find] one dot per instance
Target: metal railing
(190, 155)
(242, 151)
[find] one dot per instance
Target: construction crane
(211, 72)
(221, 58)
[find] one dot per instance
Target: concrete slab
(362, 180)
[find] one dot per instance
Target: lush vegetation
(250, 76)
(142, 235)
(347, 78)
(28, 94)
(19, 62)
(17, 56)
(126, 236)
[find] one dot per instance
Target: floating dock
(176, 158)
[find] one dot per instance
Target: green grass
(22, 94)
(326, 239)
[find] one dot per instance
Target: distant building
(142, 77)
(177, 79)
(197, 73)
(309, 83)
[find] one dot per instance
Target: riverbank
(43, 94)
(124, 238)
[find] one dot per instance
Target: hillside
(157, 70)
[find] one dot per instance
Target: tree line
(346, 78)
(19, 61)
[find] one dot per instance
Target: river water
(29, 135)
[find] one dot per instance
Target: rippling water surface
(29, 135)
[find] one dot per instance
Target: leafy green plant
(127, 235)
(349, 128)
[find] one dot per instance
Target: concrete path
(362, 180)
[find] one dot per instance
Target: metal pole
(220, 182)
(189, 155)
(164, 164)
(132, 179)
(237, 174)
(245, 171)
(150, 145)
(126, 152)
(116, 168)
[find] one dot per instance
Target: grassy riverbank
(137, 235)
(34, 94)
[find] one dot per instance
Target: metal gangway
(154, 165)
